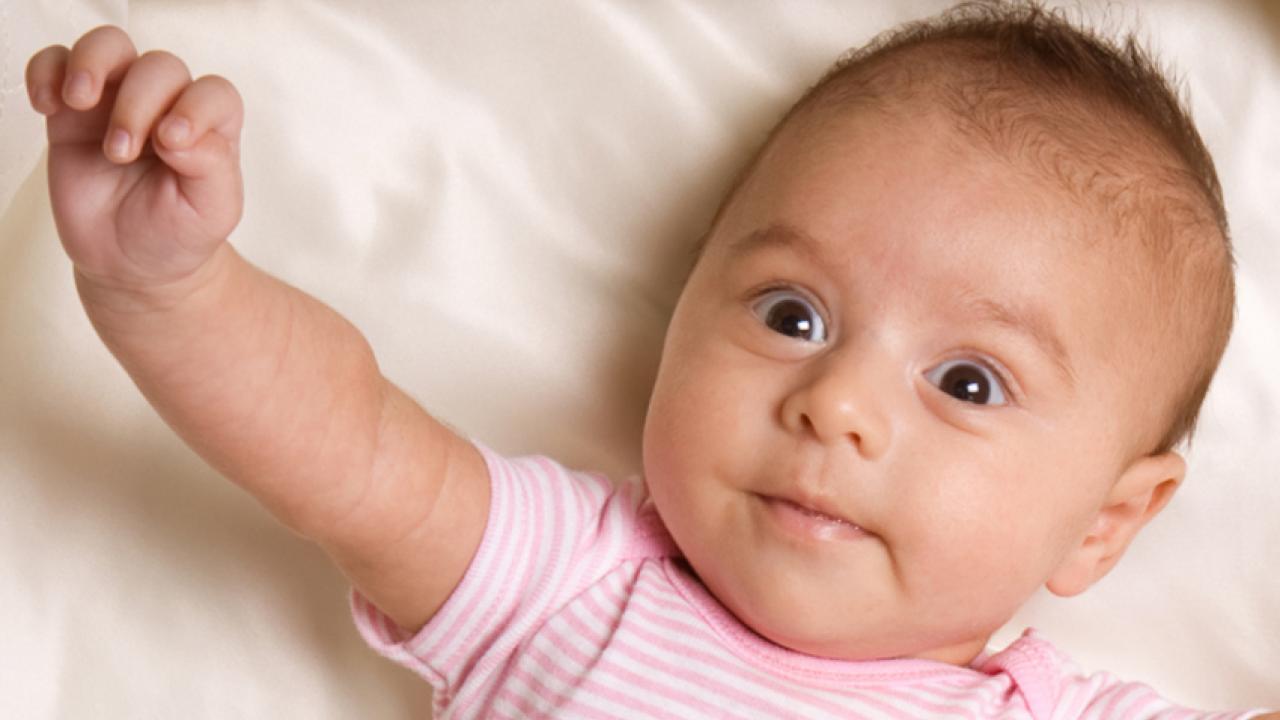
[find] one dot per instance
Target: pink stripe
(641, 611)
(555, 535)
(608, 615)
(475, 606)
(480, 612)
(608, 664)
(625, 647)
(688, 625)
(944, 700)
(588, 687)
(722, 663)
(506, 595)
(566, 648)
(719, 662)
(461, 607)
(573, 618)
(1122, 696)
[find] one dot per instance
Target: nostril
(806, 424)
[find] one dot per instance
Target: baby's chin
(806, 624)
(866, 647)
(819, 640)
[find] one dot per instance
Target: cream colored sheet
(502, 196)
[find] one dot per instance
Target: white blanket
(503, 196)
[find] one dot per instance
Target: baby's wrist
(126, 300)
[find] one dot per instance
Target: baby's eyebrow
(1026, 321)
(777, 235)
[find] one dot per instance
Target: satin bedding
(503, 197)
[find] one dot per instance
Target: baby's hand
(144, 169)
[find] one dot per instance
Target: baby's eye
(787, 312)
(968, 381)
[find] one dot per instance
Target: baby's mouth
(807, 521)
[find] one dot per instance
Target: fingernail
(118, 144)
(45, 101)
(175, 129)
(80, 87)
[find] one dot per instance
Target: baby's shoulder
(614, 516)
(1053, 685)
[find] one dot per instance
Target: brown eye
(786, 312)
(969, 382)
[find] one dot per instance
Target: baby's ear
(1138, 495)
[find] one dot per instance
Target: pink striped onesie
(577, 604)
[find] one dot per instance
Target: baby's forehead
(1086, 163)
(1076, 142)
(1117, 142)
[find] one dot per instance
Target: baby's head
(942, 339)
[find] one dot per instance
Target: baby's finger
(101, 56)
(211, 103)
(154, 82)
(45, 73)
(200, 140)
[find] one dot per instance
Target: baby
(937, 351)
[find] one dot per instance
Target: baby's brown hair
(1098, 119)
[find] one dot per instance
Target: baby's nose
(842, 401)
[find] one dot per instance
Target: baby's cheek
(968, 535)
(692, 417)
(673, 450)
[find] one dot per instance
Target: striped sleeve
(1056, 689)
(550, 533)
(1105, 697)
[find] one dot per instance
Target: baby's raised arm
(270, 386)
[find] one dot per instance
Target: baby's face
(891, 398)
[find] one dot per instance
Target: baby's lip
(815, 506)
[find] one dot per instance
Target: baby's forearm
(270, 386)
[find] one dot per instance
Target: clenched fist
(144, 169)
